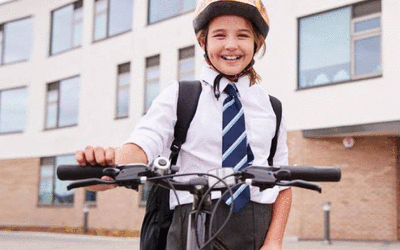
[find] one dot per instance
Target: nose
(231, 43)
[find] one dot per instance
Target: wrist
(270, 241)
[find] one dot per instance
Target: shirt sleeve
(154, 132)
(281, 157)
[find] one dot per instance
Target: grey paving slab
(53, 241)
(340, 245)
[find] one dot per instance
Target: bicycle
(200, 236)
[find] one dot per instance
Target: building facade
(77, 73)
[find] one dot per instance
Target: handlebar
(132, 175)
(307, 173)
(77, 172)
(225, 179)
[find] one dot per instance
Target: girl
(230, 32)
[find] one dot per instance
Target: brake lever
(131, 176)
(88, 182)
(300, 184)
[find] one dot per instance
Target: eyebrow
(245, 30)
(223, 30)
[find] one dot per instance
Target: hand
(93, 156)
(99, 156)
(271, 246)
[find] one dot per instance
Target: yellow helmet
(253, 10)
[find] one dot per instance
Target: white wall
(96, 63)
(364, 101)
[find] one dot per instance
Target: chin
(231, 72)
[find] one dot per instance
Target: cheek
(212, 48)
(249, 47)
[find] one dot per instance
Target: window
(90, 197)
(124, 79)
(152, 85)
(5, 1)
(340, 45)
(12, 110)
(112, 17)
(15, 40)
(62, 103)
(66, 29)
(52, 191)
(186, 64)
(163, 9)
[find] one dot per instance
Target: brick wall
(398, 187)
(364, 203)
(19, 185)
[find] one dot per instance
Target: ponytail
(254, 77)
(259, 47)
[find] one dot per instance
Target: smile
(231, 58)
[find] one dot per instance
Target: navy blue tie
(236, 152)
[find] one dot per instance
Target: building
(77, 73)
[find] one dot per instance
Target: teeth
(231, 57)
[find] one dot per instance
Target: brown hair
(259, 47)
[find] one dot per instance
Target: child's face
(230, 43)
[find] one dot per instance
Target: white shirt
(202, 150)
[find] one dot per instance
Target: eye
(244, 35)
(219, 35)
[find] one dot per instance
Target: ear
(202, 43)
(255, 49)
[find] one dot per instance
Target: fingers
(80, 157)
(88, 155)
(95, 155)
(99, 156)
(103, 187)
(110, 156)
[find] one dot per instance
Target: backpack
(158, 216)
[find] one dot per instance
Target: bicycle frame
(200, 218)
(198, 233)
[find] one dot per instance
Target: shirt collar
(208, 75)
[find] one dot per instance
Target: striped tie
(236, 152)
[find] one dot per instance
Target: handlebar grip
(317, 174)
(77, 172)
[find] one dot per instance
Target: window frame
(2, 44)
(180, 59)
(180, 13)
(11, 89)
(107, 36)
(2, 41)
(73, 47)
(363, 35)
(119, 87)
(353, 20)
(58, 105)
(53, 159)
(6, 2)
(146, 80)
(90, 203)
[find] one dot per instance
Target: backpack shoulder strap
(277, 107)
(188, 98)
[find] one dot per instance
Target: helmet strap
(232, 78)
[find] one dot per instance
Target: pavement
(53, 241)
(340, 245)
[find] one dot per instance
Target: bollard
(85, 218)
(327, 238)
